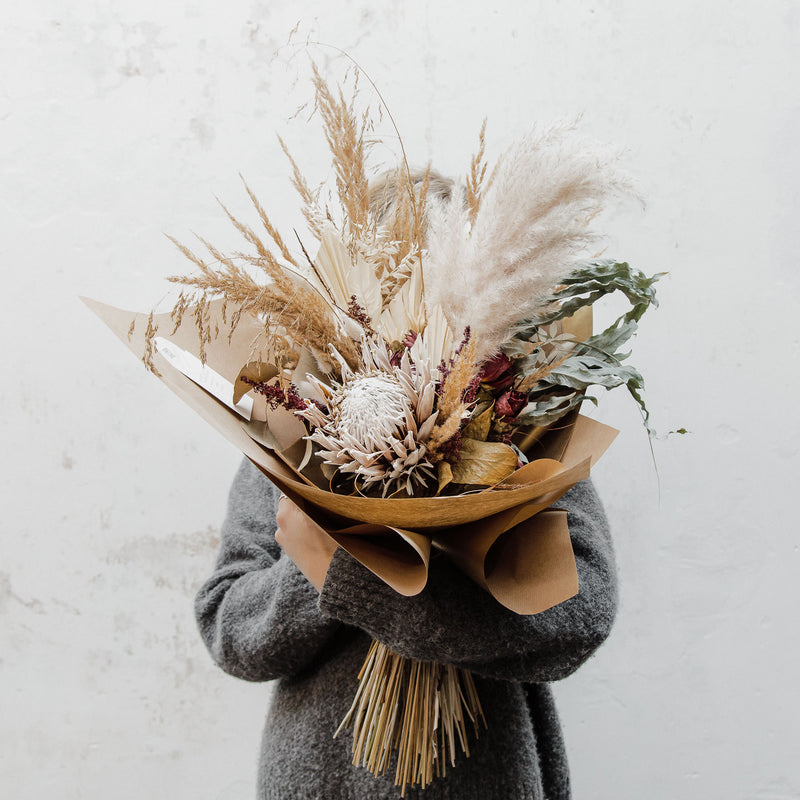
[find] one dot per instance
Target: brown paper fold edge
(531, 567)
(399, 558)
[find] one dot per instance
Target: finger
(283, 509)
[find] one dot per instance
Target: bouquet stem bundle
(418, 709)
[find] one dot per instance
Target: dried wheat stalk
(344, 131)
(284, 303)
(477, 172)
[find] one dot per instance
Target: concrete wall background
(121, 120)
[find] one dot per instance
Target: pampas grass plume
(533, 224)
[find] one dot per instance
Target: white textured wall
(121, 120)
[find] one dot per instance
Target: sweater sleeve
(454, 621)
(257, 613)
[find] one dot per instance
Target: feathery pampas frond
(532, 223)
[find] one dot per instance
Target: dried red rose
(510, 403)
(497, 373)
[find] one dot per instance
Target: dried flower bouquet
(413, 371)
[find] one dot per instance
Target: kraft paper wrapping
(501, 537)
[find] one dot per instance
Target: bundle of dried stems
(414, 708)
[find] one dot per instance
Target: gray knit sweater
(262, 620)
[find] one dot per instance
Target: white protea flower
(377, 421)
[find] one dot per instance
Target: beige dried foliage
(285, 304)
(294, 311)
(452, 407)
(404, 227)
(311, 212)
(477, 172)
(444, 431)
(458, 379)
(532, 378)
(180, 308)
(246, 231)
(532, 226)
(268, 226)
(345, 134)
(390, 200)
(149, 352)
(398, 202)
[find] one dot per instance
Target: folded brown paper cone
(531, 567)
(475, 549)
(399, 558)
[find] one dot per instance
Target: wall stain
(115, 50)
(56, 603)
(141, 50)
(123, 622)
(105, 519)
(7, 594)
(151, 548)
(202, 131)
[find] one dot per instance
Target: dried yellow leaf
(480, 424)
(484, 463)
(445, 475)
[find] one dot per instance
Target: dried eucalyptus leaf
(593, 279)
(613, 337)
(598, 360)
(484, 463)
(580, 372)
(549, 408)
(254, 372)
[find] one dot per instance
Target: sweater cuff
(350, 592)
